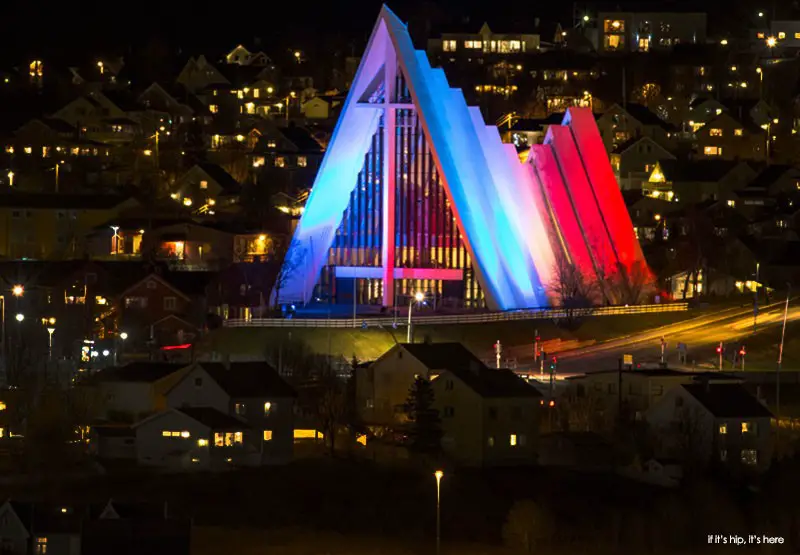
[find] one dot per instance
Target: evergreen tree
(425, 432)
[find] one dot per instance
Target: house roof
(442, 356)
(727, 400)
(644, 116)
(494, 383)
(213, 418)
(696, 170)
(158, 277)
(46, 518)
(769, 175)
(138, 372)
(60, 200)
(113, 430)
(249, 379)
(190, 283)
(301, 138)
(223, 178)
(622, 147)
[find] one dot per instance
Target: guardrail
(429, 320)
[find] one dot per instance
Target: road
(701, 336)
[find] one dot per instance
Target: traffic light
(553, 364)
(719, 349)
(742, 351)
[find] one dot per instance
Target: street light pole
(50, 343)
(418, 297)
(438, 475)
(755, 299)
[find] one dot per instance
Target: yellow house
(53, 226)
(489, 417)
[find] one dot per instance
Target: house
(483, 43)
(198, 73)
(645, 31)
(693, 181)
(650, 213)
(132, 392)
(131, 528)
(618, 125)
(726, 138)
(112, 441)
(162, 310)
(754, 112)
(201, 438)
(100, 119)
(713, 423)
(641, 388)
(290, 147)
(243, 57)
(39, 529)
(252, 392)
(321, 107)
(205, 184)
(46, 226)
(382, 388)
(776, 179)
(635, 159)
(191, 246)
(489, 416)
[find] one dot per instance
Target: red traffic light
(719, 349)
(742, 351)
(538, 338)
(555, 360)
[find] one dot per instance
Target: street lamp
(116, 238)
(19, 317)
(772, 42)
(50, 342)
(439, 474)
(123, 336)
(18, 290)
(419, 296)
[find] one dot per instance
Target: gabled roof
(138, 372)
(156, 277)
(494, 383)
(442, 356)
(622, 147)
(696, 170)
(213, 418)
(727, 400)
(643, 115)
(248, 379)
(301, 138)
(223, 178)
(769, 176)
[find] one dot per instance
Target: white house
(196, 438)
(713, 423)
(252, 392)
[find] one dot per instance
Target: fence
(482, 318)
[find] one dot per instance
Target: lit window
(202, 442)
(712, 151)
(760, 35)
(2, 405)
(256, 93)
(219, 440)
(723, 428)
(749, 456)
(204, 184)
(490, 441)
(732, 203)
(237, 437)
(449, 45)
(797, 36)
(514, 45)
(267, 408)
(302, 161)
(781, 35)
(746, 427)
(308, 434)
(512, 440)
(280, 162)
(10, 149)
(271, 144)
(166, 433)
(28, 150)
(185, 434)
(715, 132)
(613, 26)
(475, 44)
(258, 161)
(267, 435)
(738, 132)
(41, 546)
(240, 408)
(644, 44)
(213, 108)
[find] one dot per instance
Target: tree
(632, 286)
(331, 406)
(293, 258)
(571, 289)
(425, 431)
(528, 527)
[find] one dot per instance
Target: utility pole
(755, 299)
(719, 352)
(780, 361)
(663, 351)
(498, 349)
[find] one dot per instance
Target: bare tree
(293, 258)
(632, 286)
(571, 288)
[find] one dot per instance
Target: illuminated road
(700, 335)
